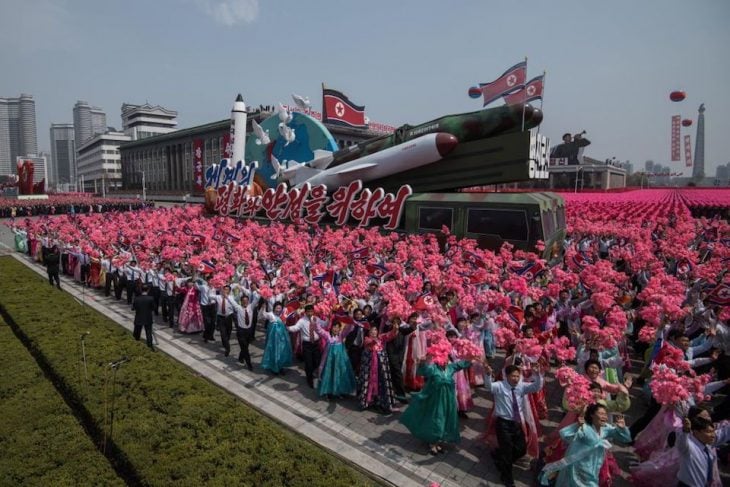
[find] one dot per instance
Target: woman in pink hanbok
(464, 400)
(191, 315)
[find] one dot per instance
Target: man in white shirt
(133, 274)
(152, 278)
(310, 342)
(245, 327)
(208, 307)
(226, 313)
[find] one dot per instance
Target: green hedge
(41, 442)
(171, 426)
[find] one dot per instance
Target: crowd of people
(407, 325)
(61, 204)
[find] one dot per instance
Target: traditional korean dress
(191, 315)
(432, 415)
(415, 350)
(374, 385)
(462, 387)
(336, 376)
(585, 455)
(278, 351)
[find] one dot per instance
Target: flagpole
(523, 104)
(324, 107)
(542, 95)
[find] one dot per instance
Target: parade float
(410, 180)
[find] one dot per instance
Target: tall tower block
(699, 169)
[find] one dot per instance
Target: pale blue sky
(610, 65)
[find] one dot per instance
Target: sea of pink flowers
(653, 231)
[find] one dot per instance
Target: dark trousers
(225, 326)
(155, 292)
(53, 276)
(110, 277)
(119, 284)
(147, 332)
(165, 305)
(312, 356)
(512, 447)
(209, 320)
(245, 337)
(131, 290)
(396, 375)
(173, 309)
(644, 421)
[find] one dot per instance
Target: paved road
(375, 442)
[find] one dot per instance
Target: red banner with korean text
(309, 204)
(687, 151)
(227, 146)
(676, 120)
(198, 165)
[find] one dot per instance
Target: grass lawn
(41, 442)
(172, 427)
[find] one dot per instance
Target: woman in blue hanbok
(588, 439)
(277, 353)
(336, 376)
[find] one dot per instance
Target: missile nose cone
(445, 143)
(239, 97)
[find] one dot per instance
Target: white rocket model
(412, 154)
(238, 130)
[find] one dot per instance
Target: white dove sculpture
(262, 137)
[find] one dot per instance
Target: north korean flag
(720, 295)
(360, 254)
(376, 270)
(425, 301)
(512, 80)
(532, 91)
(338, 109)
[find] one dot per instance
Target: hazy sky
(610, 65)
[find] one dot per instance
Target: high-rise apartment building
(63, 154)
(88, 122)
(142, 121)
(17, 131)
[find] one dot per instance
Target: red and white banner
(339, 109)
(198, 164)
(687, 151)
(227, 146)
(676, 120)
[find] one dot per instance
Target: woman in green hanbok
(588, 439)
(432, 414)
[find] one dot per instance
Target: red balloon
(687, 122)
(677, 95)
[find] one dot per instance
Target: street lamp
(577, 172)
(144, 187)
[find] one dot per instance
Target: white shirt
(241, 312)
(132, 273)
(230, 305)
(302, 326)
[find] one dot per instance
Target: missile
(238, 130)
(415, 153)
(466, 127)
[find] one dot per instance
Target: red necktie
(312, 332)
(224, 305)
(246, 316)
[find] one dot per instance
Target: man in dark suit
(144, 308)
(52, 260)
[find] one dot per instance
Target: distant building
(18, 136)
(63, 153)
(88, 122)
(40, 167)
(592, 174)
(142, 121)
(99, 164)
